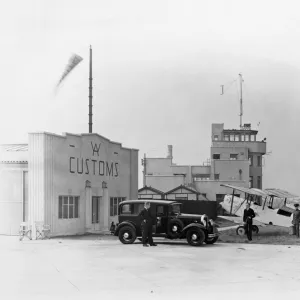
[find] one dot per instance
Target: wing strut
(232, 202)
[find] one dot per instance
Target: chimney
(170, 151)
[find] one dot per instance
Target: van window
(137, 208)
(161, 210)
(126, 209)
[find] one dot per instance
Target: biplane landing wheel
(255, 229)
(240, 231)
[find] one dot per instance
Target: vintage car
(170, 223)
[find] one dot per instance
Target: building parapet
(259, 147)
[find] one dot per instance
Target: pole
(145, 169)
(232, 202)
(241, 101)
(265, 202)
(91, 95)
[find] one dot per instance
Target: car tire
(255, 229)
(240, 231)
(127, 235)
(175, 227)
(211, 240)
(195, 236)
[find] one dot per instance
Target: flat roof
(14, 147)
(150, 201)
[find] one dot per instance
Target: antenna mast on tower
(241, 100)
(91, 95)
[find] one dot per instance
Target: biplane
(271, 206)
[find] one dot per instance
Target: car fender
(186, 228)
(125, 223)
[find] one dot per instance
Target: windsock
(73, 62)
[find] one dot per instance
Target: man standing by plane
(296, 219)
(248, 216)
(147, 222)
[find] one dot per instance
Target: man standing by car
(147, 222)
(248, 216)
(296, 219)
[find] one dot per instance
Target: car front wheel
(127, 235)
(195, 236)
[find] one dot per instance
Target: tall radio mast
(241, 100)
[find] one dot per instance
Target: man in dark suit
(248, 216)
(147, 222)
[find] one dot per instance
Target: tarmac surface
(102, 267)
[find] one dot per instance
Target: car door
(161, 218)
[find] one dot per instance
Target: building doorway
(95, 209)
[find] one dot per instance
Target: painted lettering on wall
(93, 166)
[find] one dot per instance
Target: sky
(157, 70)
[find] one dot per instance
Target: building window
(216, 156)
(251, 182)
(233, 156)
(251, 160)
(237, 138)
(68, 207)
(216, 137)
(181, 196)
(114, 205)
(258, 182)
(217, 176)
(226, 137)
(242, 138)
(252, 138)
(246, 138)
(232, 137)
(200, 177)
(259, 161)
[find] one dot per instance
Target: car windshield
(175, 209)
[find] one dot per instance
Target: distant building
(71, 182)
(236, 158)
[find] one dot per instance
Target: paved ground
(102, 267)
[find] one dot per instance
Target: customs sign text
(93, 166)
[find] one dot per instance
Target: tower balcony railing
(255, 146)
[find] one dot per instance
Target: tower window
(258, 182)
(216, 156)
(233, 156)
(251, 160)
(259, 161)
(251, 182)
